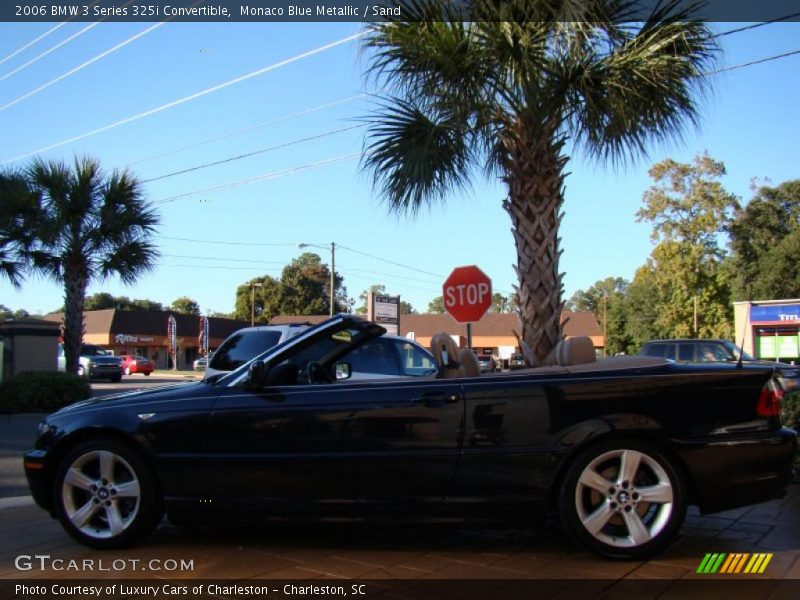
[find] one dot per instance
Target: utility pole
(253, 286)
(333, 277)
(605, 325)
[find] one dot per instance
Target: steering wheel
(316, 373)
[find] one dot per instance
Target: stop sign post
(467, 295)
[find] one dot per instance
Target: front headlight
(43, 428)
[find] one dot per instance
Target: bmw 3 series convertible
(618, 448)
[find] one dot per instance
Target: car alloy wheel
(623, 500)
(106, 495)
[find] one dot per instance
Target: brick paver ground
(289, 551)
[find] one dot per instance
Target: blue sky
(750, 122)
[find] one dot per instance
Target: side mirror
(343, 371)
(257, 372)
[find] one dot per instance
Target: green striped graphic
(711, 563)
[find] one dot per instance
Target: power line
(255, 152)
(264, 177)
(225, 243)
(32, 42)
(754, 62)
(190, 97)
(82, 66)
(251, 128)
(46, 52)
(223, 259)
(756, 25)
(226, 267)
(391, 262)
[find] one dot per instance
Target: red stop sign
(467, 293)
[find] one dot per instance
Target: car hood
(178, 391)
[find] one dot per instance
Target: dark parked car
(517, 361)
(94, 362)
(709, 350)
(618, 447)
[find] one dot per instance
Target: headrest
(444, 350)
(470, 367)
(575, 351)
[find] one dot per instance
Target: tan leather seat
(575, 351)
(445, 351)
(470, 367)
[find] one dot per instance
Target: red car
(133, 363)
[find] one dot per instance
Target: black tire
(86, 506)
(147, 374)
(608, 522)
(116, 378)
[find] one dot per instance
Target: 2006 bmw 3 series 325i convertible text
(618, 447)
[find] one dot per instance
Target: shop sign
(127, 338)
(787, 313)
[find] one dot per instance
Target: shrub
(42, 391)
(791, 410)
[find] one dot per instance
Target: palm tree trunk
(534, 175)
(75, 283)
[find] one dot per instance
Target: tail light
(769, 402)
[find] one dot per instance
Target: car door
(372, 440)
(508, 441)
(378, 440)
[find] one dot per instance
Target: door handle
(437, 399)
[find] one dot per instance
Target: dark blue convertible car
(618, 447)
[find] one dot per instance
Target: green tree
(104, 300)
(303, 289)
(267, 299)
(690, 210)
(186, 306)
(500, 303)
(763, 237)
(508, 87)
(689, 204)
(375, 288)
(18, 211)
(306, 287)
(436, 306)
(606, 300)
(90, 226)
(6, 313)
(406, 308)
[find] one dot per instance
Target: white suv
(246, 343)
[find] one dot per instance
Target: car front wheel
(623, 499)
(107, 495)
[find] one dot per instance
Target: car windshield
(736, 351)
(93, 351)
(241, 347)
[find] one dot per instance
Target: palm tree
(509, 87)
(90, 226)
(18, 208)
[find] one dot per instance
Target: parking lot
(443, 551)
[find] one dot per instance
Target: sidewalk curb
(16, 502)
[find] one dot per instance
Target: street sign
(467, 294)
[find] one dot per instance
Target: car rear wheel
(106, 495)
(623, 499)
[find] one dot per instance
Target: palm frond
(129, 260)
(416, 157)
